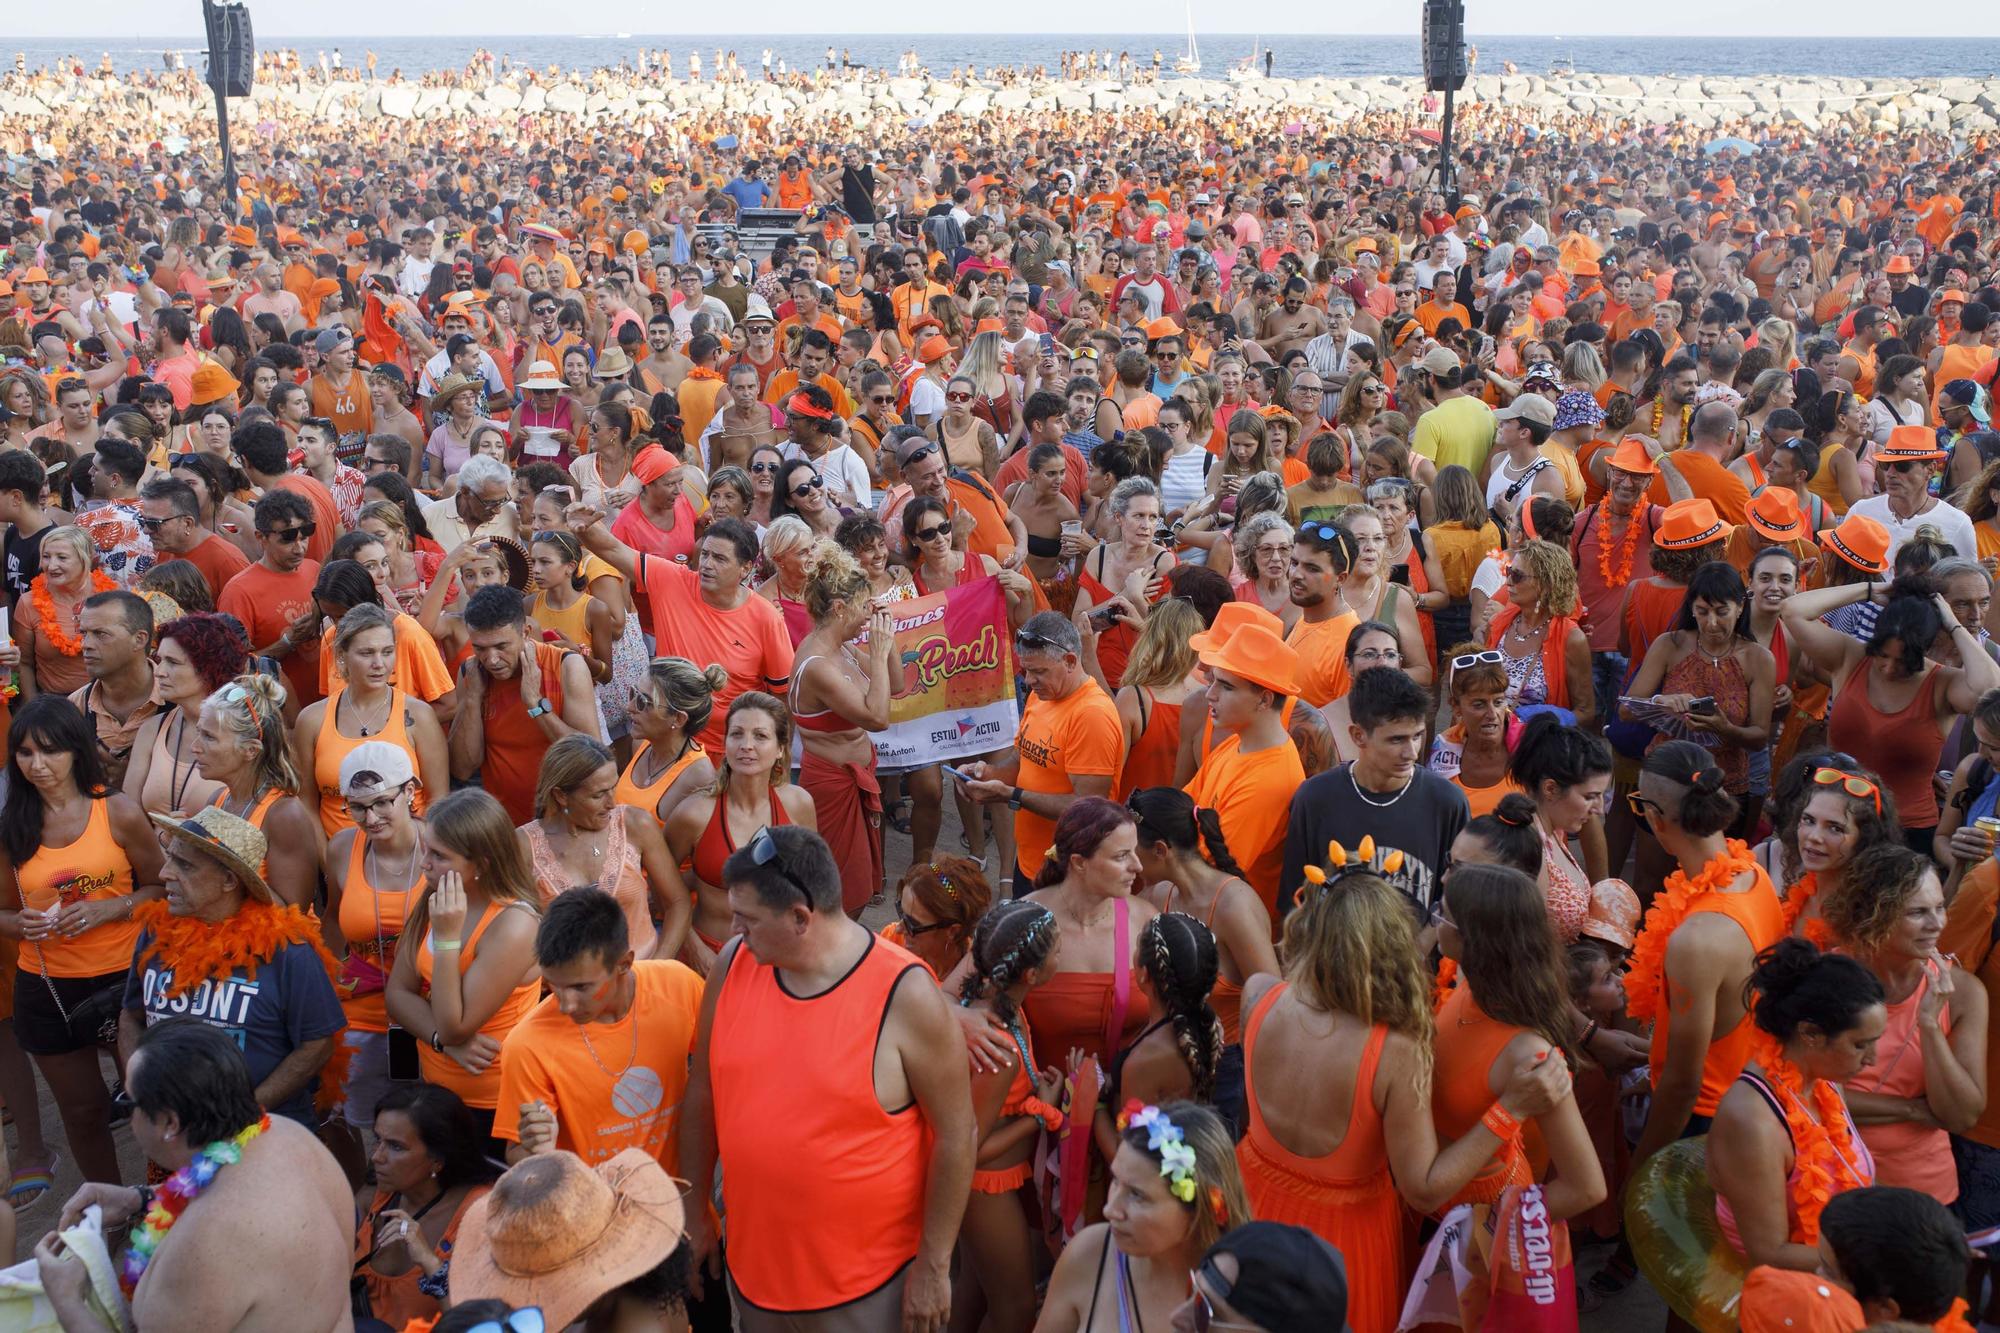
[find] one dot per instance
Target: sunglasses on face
(286, 536)
(958, 398)
(152, 525)
(761, 468)
(911, 929)
(808, 486)
(937, 532)
(1639, 805)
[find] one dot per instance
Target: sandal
(30, 1184)
(897, 815)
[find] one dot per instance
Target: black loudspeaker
(1444, 45)
(232, 51)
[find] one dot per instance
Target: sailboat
(1191, 62)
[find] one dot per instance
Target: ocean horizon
(1293, 56)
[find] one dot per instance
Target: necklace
(182, 1188)
(1360, 791)
(1520, 635)
(583, 1031)
(176, 784)
(1714, 659)
(388, 702)
(1660, 414)
(68, 642)
(575, 838)
(1621, 574)
(1081, 923)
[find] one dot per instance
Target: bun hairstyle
(687, 688)
(1705, 809)
(1169, 815)
(1548, 751)
(1794, 984)
(1012, 940)
(251, 708)
(1509, 829)
(1179, 955)
(831, 576)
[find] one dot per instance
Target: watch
(1014, 799)
(539, 709)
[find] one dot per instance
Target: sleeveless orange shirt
(1759, 914)
(92, 867)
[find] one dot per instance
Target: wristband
(1583, 1042)
(446, 946)
(437, 1043)
(1052, 1117)
(1500, 1121)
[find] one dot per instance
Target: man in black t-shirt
(22, 482)
(1385, 793)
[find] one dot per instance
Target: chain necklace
(583, 1030)
(1379, 805)
(354, 714)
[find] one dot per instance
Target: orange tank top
(1467, 1044)
(647, 797)
(371, 921)
(810, 1240)
(1151, 761)
(515, 742)
(94, 867)
(331, 748)
(1761, 917)
(480, 1090)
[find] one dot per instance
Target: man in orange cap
(1611, 546)
(38, 293)
(1249, 778)
(1772, 518)
(1905, 463)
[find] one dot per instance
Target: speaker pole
(217, 83)
(1447, 166)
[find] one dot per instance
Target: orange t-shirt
(92, 868)
(420, 669)
(749, 642)
(1079, 735)
(267, 602)
(1708, 480)
(551, 1059)
(1322, 650)
(326, 517)
(349, 408)
(1252, 795)
(990, 534)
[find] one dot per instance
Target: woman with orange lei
(1783, 1142)
(1714, 914)
(1929, 1081)
(1846, 813)
(1337, 1072)
(46, 630)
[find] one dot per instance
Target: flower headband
(1177, 1160)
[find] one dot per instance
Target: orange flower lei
(1622, 575)
(1660, 414)
(1794, 907)
(1645, 986)
(1823, 1149)
(67, 642)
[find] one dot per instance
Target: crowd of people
(1506, 749)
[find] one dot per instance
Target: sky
(1569, 18)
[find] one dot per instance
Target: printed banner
(955, 698)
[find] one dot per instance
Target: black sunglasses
(809, 485)
(301, 533)
(911, 929)
(764, 852)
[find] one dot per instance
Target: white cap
(375, 766)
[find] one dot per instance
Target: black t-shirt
(1422, 822)
(857, 193)
(1911, 301)
(23, 557)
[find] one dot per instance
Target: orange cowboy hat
(989, 325)
(1688, 523)
(1861, 542)
(1162, 328)
(1774, 512)
(1631, 456)
(1231, 617)
(1909, 444)
(1259, 655)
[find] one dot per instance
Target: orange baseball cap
(1860, 541)
(1774, 512)
(1259, 655)
(1231, 617)
(1689, 523)
(1631, 456)
(35, 274)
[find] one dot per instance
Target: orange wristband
(1497, 1119)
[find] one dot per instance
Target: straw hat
(542, 375)
(1774, 514)
(558, 1234)
(1688, 523)
(451, 386)
(1258, 655)
(1231, 617)
(612, 365)
(1860, 541)
(231, 841)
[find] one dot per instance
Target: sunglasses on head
(1852, 783)
(1489, 657)
(764, 852)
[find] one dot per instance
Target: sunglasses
(761, 468)
(301, 533)
(764, 852)
(882, 399)
(1466, 661)
(911, 929)
(1325, 532)
(958, 398)
(920, 455)
(1851, 783)
(1204, 1312)
(527, 1319)
(1639, 805)
(932, 534)
(152, 525)
(808, 486)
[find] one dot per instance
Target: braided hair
(1010, 941)
(1179, 957)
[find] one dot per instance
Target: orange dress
(1347, 1198)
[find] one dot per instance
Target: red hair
(1080, 832)
(214, 643)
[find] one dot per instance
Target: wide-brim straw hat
(231, 841)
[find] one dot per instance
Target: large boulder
(568, 99)
(399, 100)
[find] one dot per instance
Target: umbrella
(1428, 136)
(726, 142)
(1714, 146)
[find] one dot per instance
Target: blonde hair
(78, 539)
(471, 823)
(1550, 564)
(832, 576)
(567, 765)
(1351, 947)
(358, 621)
(1162, 656)
(1220, 1203)
(780, 715)
(688, 689)
(251, 708)
(786, 535)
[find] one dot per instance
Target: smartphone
(1048, 344)
(1704, 704)
(403, 1066)
(1104, 617)
(958, 773)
